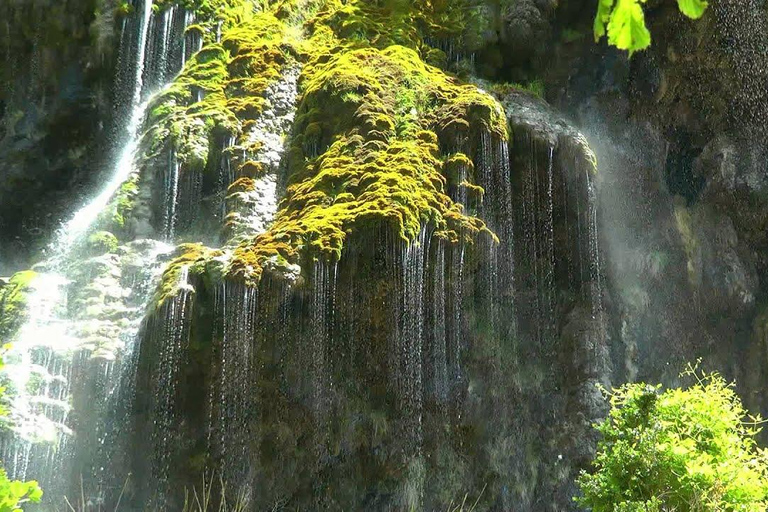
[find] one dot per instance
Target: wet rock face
(525, 26)
(56, 72)
(680, 146)
(717, 166)
(720, 266)
(735, 185)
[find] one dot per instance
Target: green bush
(687, 450)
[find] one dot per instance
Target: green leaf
(624, 21)
(692, 8)
(626, 29)
(602, 17)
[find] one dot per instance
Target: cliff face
(57, 77)
(680, 135)
(344, 256)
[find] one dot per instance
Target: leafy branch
(623, 21)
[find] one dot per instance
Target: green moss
(101, 242)
(114, 215)
(13, 303)
(569, 35)
(366, 147)
(534, 87)
(210, 14)
(199, 262)
(219, 92)
(123, 8)
(366, 156)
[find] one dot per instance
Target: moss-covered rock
(101, 242)
(366, 154)
(372, 127)
(13, 304)
(191, 261)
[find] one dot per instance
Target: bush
(687, 450)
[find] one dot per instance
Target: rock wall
(398, 279)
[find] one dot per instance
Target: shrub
(685, 450)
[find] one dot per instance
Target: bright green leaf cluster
(688, 450)
(623, 21)
(14, 493)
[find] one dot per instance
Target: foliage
(14, 493)
(101, 242)
(534, 87)
(623, 21)
(13, 303)
(686, 450)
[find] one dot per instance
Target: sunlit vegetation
(689, 450)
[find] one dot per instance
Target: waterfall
(169, 339)
(74, 229)
(84, 309)
(237, 305)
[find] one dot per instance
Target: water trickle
(455, 319)
(237, 376)
(437, 378)
(321, 353)
(169, 337)
(187, 46)
(493, 164)
(408, 369)
(538, 206)
(171, 194)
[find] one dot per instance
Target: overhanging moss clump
(192, 261)
(366, 154)
(371, 135)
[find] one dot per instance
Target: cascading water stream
(80, 223)
(83, 310)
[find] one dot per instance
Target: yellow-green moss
(13, 304)
(371, 130)
(210, 15)
(533, 87)
(197, 259)
(101, 242)
(114, 215)
(365, 155)
(220, 90)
